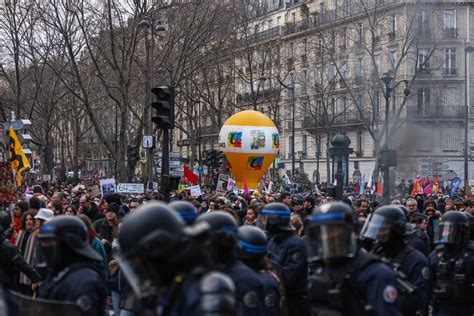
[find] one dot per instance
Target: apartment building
(318, 64)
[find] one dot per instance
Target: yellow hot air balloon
(250, 141)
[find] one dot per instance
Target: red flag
(189, 175)
(427, 181)
(435, 184)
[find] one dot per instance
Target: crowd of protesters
(103, 216)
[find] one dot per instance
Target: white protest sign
(195, 190)
(136, 188)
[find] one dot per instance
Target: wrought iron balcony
(435, 112)
(450, 32)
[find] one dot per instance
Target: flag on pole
(435, 187)
(380, 184)
(427, 181)
(17, 156)
(190, 175)
(428, 190)
(369, 184)
(362, 185)
(246, 186)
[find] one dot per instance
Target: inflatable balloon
(250, 141)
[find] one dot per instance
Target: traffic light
(133, 156)
(164, 107)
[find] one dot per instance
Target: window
(450, 62)
(278, 20)
(321, 8)
(291, 50)
(449, 19)
(333, 106)
(276, 52)
(335, 6)
(291, 83)
(304, 81)
(343, 71)
(423, 101)
(392, 20)
(293, 17)
(344, 109)
(377, 64)
(423, 22)
(305, 145)
(346, 7)
(423, 58)
(359, 141)
(333, 73)
(305, 46)
(360, 32)
(359, 68)
(344, 39)
(290, 145)
(377, 105)
(393, 58)
(333, 41)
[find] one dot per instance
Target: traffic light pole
(165, 164)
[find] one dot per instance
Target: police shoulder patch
(84, 302)
(425, 273)
(250, 299)
(270, 300)
(297, 257)
(390, 294)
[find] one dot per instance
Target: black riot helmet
(251, 242)
(186, 210)
(471, 225)
(275, 218)
(453, 229)
(385, 221)
(330, 232)
(63, 240)
(151, 242)
(223, 228)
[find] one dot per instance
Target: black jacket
(93, 213)
(12, 262)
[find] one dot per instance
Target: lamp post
(293, 104)
(387, 157)
(153, 27)
(467, 50)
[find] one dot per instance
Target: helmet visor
(330, 241)
(448, 233)
(377, 228)
(138, 277)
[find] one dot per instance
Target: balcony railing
(435, 112)
(331, 120)
(450, 32)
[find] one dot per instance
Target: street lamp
(153, 27)
(467, 50)
(387, 157)
(293, 103)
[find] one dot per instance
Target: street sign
(19, 124)
(136, 188)
(148, 141)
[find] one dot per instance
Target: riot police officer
(155, 254)
(249, 292)
(70, 258)
(349, 281)
(186, 210)
(289, 251)
(452, 266)
(386, 227)
(252, 250)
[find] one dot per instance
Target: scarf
(29, 256)
(16, 229)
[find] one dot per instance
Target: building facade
(318, 65)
